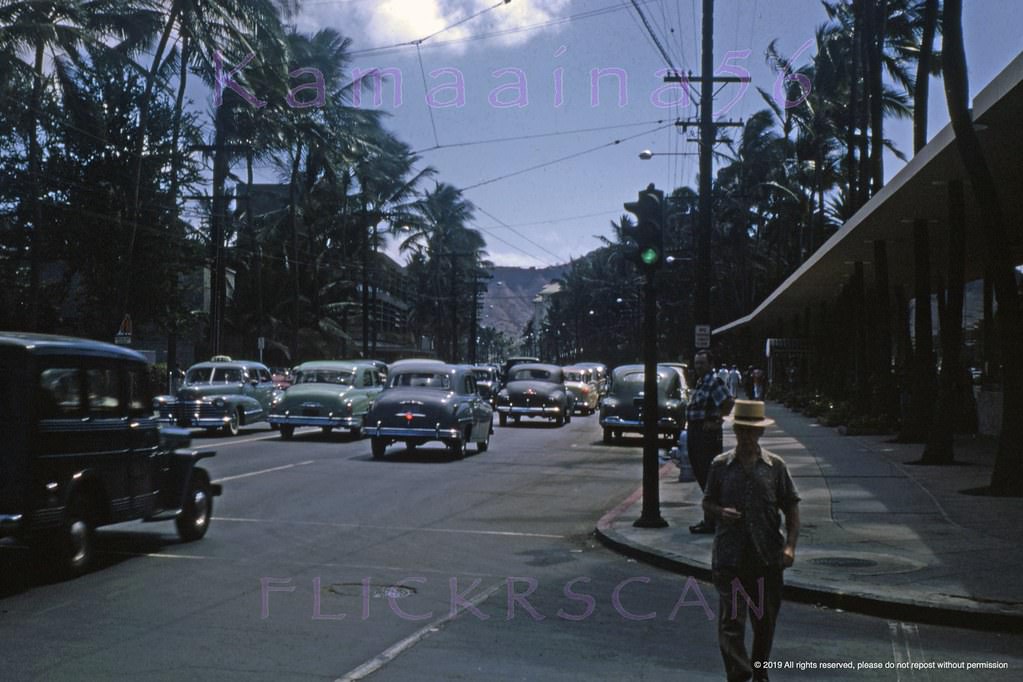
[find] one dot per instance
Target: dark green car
(220, 394)
(330, 394)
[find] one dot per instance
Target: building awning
(918, 191)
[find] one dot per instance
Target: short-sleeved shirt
(761, 497)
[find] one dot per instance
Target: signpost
(261, 345)
(123, 335)
(702, 336)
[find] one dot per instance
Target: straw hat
(750, 413)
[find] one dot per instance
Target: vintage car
(488, 383)
(82, 449)
(622, 409)
(512, 361)
(581, 383)
(684, 374)
(220, 394)
(430, 401)
(600, 375)
(535, 390)
(328, 394)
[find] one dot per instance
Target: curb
(803, 593)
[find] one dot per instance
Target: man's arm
(791, 534)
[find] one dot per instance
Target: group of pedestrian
(745, 493)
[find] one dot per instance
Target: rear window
(573, 376)
(531, 375)
(326, 376)
(421, 380)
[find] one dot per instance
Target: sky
(577, 87)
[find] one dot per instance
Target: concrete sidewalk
(879, 536)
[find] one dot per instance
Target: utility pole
(708, 137)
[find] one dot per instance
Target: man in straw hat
(747, 490)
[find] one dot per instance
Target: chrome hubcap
(200, 503)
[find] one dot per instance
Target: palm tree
(58, 27)
(1007, 476)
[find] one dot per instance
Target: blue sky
(525, 71)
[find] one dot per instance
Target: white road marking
(392, 652)
(263, 471)
(906, 649)
(155, 555)
(502, 533)
(275, 434)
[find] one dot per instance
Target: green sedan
(329, 394)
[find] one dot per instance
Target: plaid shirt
(710, 399)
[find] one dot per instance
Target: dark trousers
(732, 618)
(704, 445)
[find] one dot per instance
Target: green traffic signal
(649, 256)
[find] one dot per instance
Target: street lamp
(646, 154)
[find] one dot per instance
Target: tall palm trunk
(1007, 476)
(877, 42)
(179, 103)
(922, 380)
(35, 177)
(296, 319)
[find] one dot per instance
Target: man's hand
(730, 514)
(788, 556)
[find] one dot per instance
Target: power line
(653, 36)
(534, 136)
(561, 159)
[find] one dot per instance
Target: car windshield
(633, 381)
(573, 376)
(421, 380)
(532, 375)
(326, 376)
(482, 375)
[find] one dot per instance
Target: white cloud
(388, 22)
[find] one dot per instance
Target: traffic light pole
(650, 517)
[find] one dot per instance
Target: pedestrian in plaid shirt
(708, 405)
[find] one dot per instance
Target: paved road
(323, 563)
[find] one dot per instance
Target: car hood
(328, 395)
(200, 391)
(520, 388)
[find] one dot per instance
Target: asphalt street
(323, 563)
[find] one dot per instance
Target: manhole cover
(843, 562)
(375, 591)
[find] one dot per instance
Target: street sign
(261, 343)
(702, 336)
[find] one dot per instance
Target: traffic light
(646, 237)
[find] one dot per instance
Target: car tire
(231, 427)
(517, 419)
(326, 430)
(484, 445)
(411, 445)
(355, 432)
(607, 436)
(459, 448)
(73, 548)
(379, 446)
(287, 431)
(502, 419)
(194, 519)
(559, 420)
(568, 416)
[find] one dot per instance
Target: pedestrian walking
(733, 381)
(708, 405)
(747, 383)
(759, 382)
(748, 489)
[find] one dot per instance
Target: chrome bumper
(299, 420)
(398, 432)
(529, 411)
(663, 424)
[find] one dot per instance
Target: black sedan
(429, 401)
(535, 390)
(622, 409)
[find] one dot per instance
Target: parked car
(535, 390)
(487, 382)
(622, 409)
(328, 394)
(82, 449)
(430, 401)
(580, 382)
(220, 394)
(683, 373)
